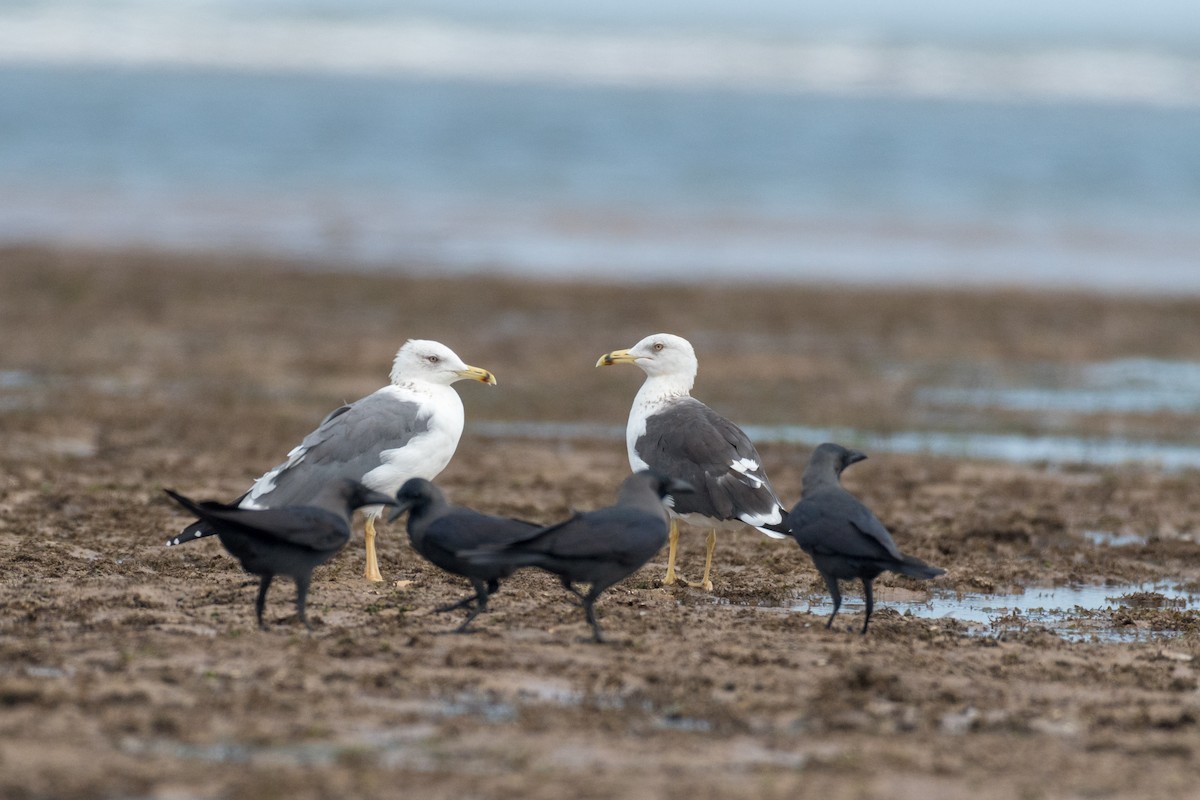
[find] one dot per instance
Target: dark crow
(290, 540)
(598, 547)
(841, 534)
(440, 531)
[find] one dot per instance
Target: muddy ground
(132, 670)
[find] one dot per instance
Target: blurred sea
(674, 141)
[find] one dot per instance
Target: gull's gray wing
(347, 444)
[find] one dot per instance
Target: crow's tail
(491, 556)
(914, 567)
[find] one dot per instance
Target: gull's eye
(658, 346)
(432, 359)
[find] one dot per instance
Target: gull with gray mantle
(844, 538)
(672, 432)
(408, 429)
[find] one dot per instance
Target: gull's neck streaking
(660, 390)
(423, 388)
(657, 391)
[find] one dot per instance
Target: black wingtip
(779, 527)
(197, 530)
(188, 534)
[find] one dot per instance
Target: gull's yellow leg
(706, 584)
(372, 571)
(672, 549)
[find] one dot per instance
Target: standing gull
(440, 531)
(288, 540)
(672, 432)
(841, 534)
(598, 547)
(408, 429)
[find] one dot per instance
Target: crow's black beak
(372, 498)
(400, 507)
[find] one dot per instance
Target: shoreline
(234, 259)
(582, 246)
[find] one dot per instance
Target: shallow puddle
(1011, 447)
(1130, 612)
(16, 389)
(407, 746)
(1112, 539)
(1123, 386)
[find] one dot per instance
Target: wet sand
(132, 670)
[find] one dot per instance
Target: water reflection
(1072, 612)
(1012, 447)
(1121, 386)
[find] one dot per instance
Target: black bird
(440, 531)
(598, 547)
(290, 540)
(841, 534)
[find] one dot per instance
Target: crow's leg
(870, 602)
(264, 583)
(301, 597)
(570, 587)
(836, 593)
(466, 601)
(589, 612)
(481, 599)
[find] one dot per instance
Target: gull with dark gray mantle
(674, 433)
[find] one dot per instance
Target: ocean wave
(201, 35)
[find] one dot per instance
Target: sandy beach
(131, 670)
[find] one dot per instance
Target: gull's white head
(657, 355)
(432, 362)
